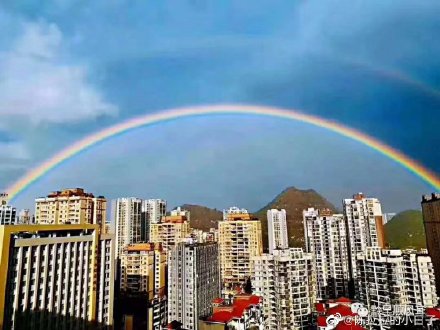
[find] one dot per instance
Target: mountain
(294, 201)
(406, 230)
(203, 217)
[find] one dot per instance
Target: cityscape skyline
(163, 272)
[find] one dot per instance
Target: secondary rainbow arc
(152, 118)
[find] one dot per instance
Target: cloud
(36, 81)
(14, 150)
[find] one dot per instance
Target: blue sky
(69, 68)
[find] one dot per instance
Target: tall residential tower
(326, 239)
(277, 229)
(239, 241)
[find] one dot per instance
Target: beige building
(71, 206)
(143, 275)
(64, 271)
(170, 231)
(239, 241)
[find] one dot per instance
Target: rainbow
(153, 118)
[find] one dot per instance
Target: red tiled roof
(222, 317)
(320, 307)
(218, 301)
(322, 321)
(341, 309)
(241, 303)
(433, 312)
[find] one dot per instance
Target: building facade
(193, 282)
(143, 277)
(155, 209)
(24, 217)
(70, 206)
(277, 229)
(395, 277)
(8, 213)
(170, 231)
(326, 239)
(127, 216)
(239, 241)
(286, 282)
(431, 221)
(363, 217)
(63, 270)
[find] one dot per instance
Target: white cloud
(36, 82)
(13, 151)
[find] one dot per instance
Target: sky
(71, 68)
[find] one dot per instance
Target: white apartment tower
(285, 279)
(8, 213)
(277, 229)
(239, 241)
(395, 277)
(63, 270)
(326, 238)
(155, 209)
(363, 217)
(193, 282)
(127, 216)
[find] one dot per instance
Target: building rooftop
(140, 247)
(431, 198)
(70, 192)
(174, 219)
(225, 313)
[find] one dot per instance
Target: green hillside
(406, 230)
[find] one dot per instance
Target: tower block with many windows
(239, 241)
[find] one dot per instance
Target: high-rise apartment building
(395, 277)
(155, 209)
(70, 206)
(326, 239)
(363, 217)
(24, 217)
(431, 220)
(55, 273)
(170, 231)
(286, 281)
(143, 277)
(239, 241)
(178, 211)
(127, 218)
(152, 212)
(8, 214)
(193, 282)
(277, 229)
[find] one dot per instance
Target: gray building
(193, 282)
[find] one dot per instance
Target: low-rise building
(245, 312)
